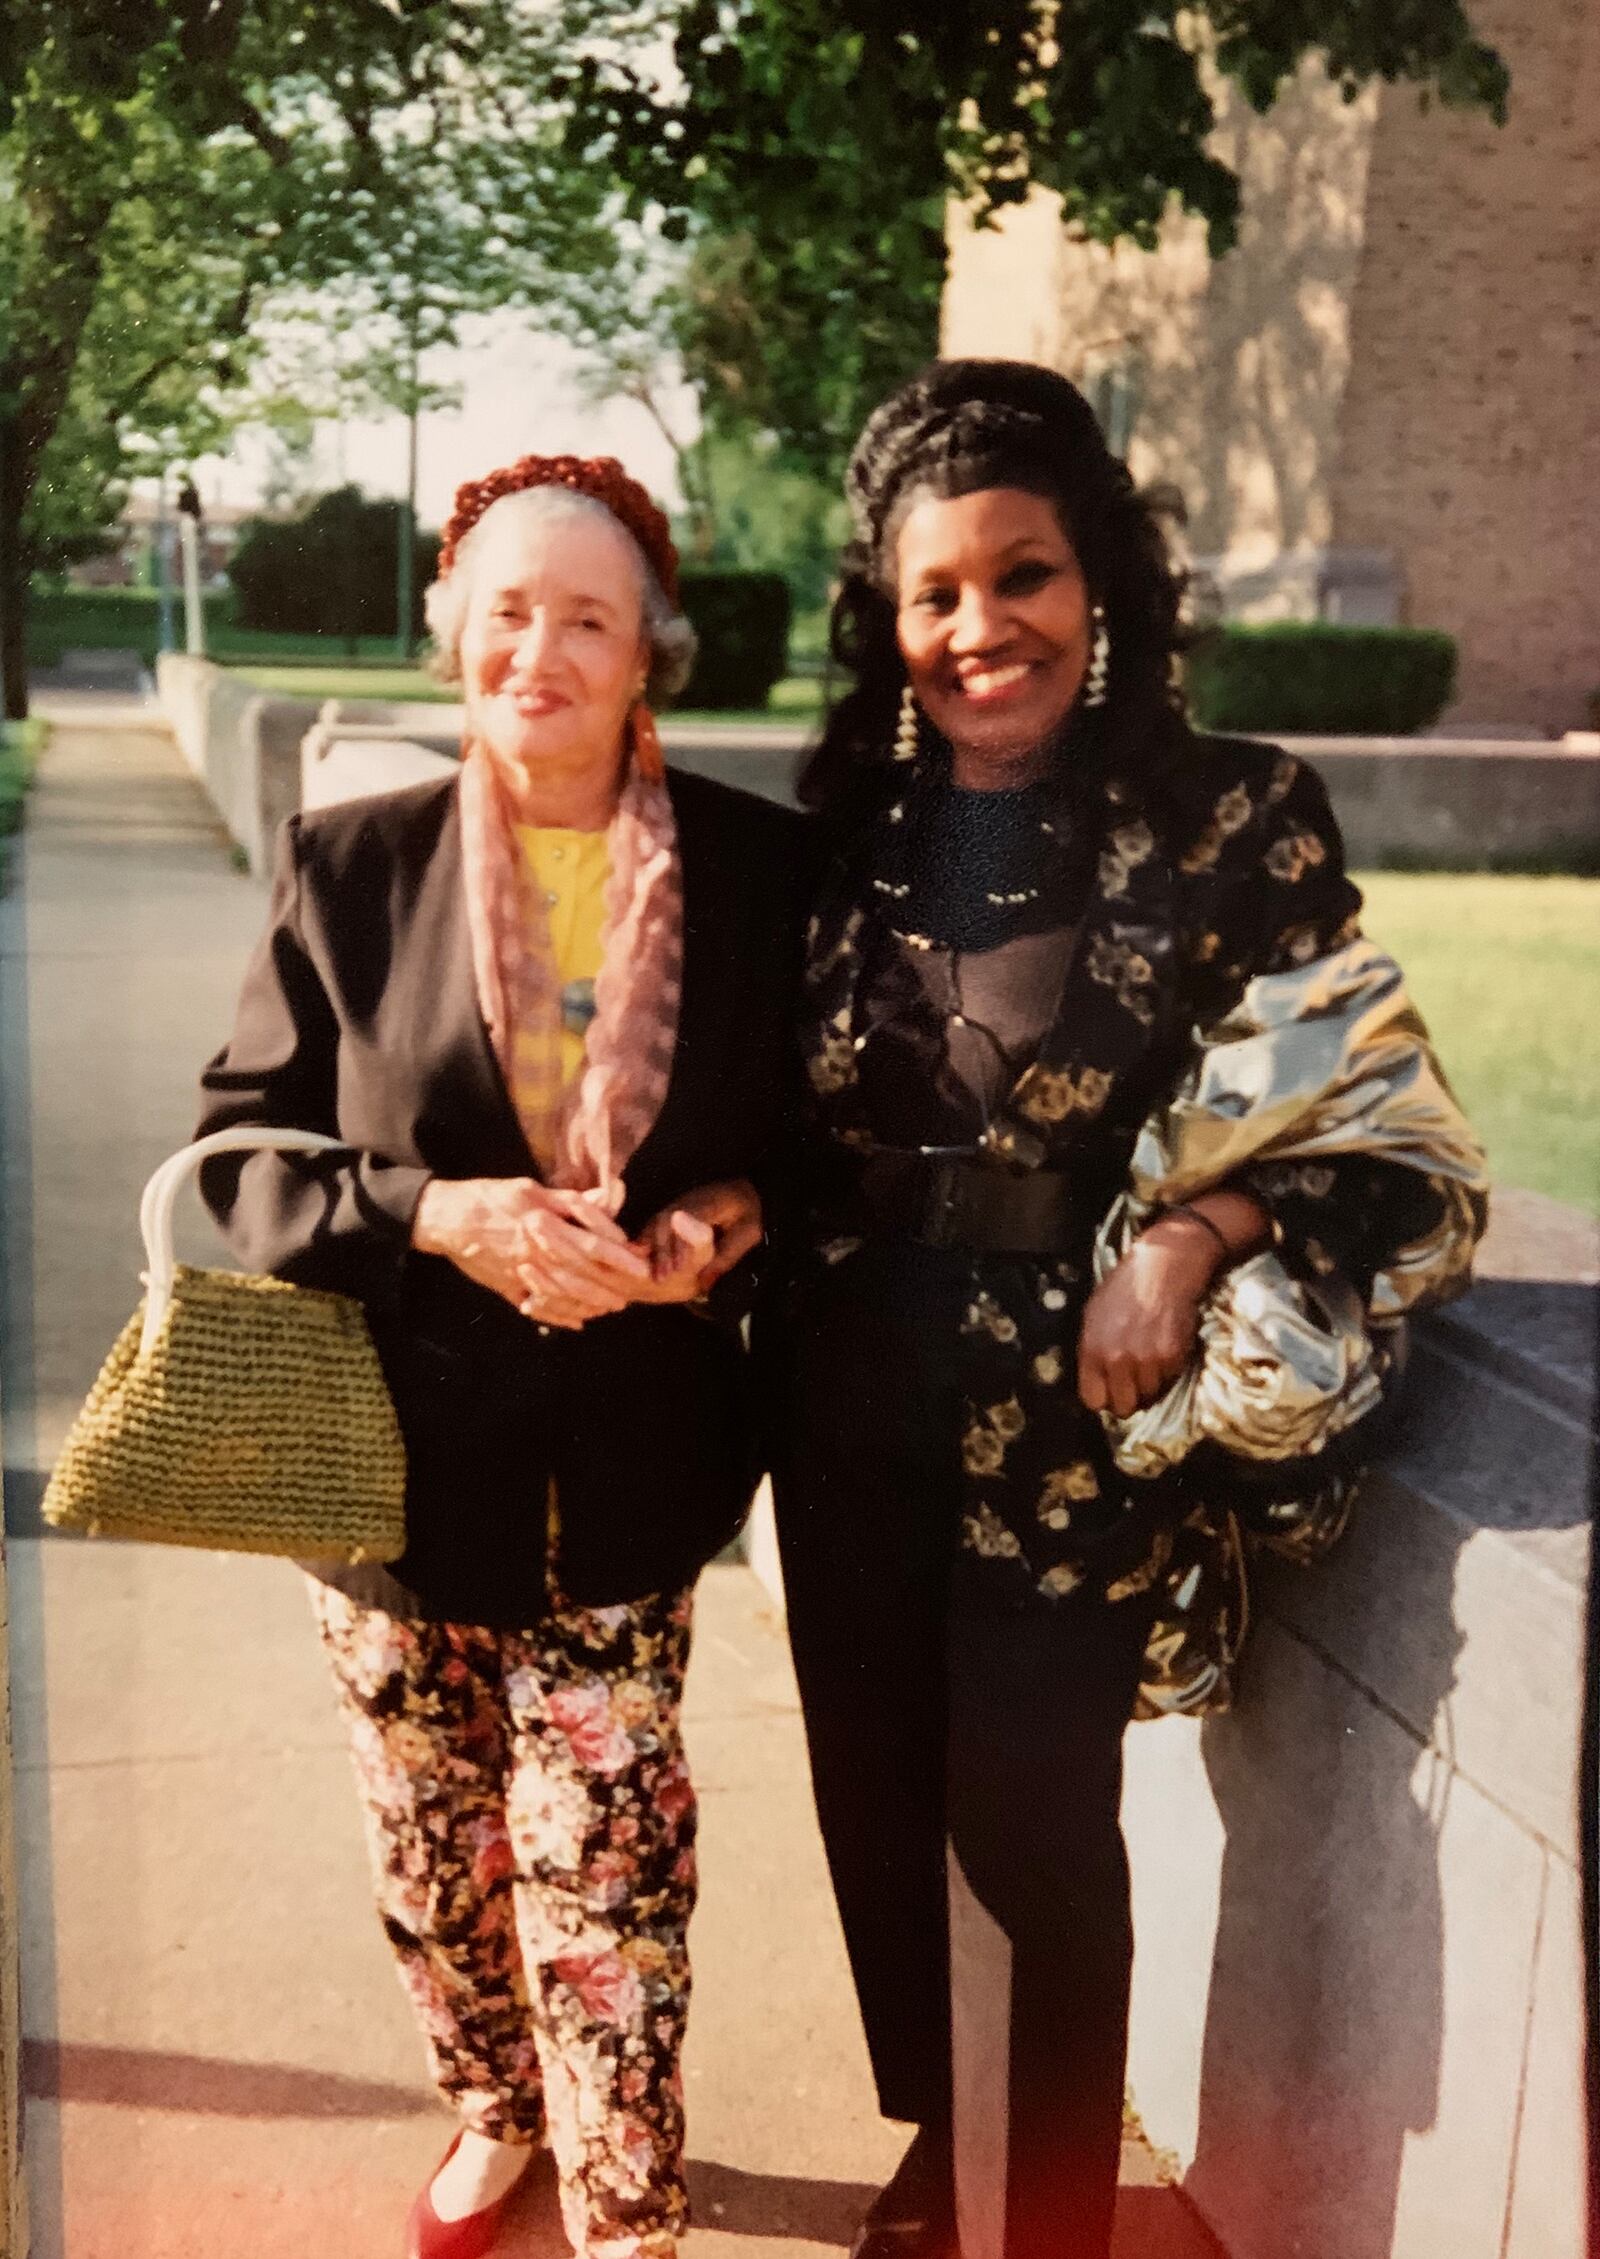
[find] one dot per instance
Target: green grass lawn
(322, 681)
(1506, 970)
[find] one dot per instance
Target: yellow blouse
(571, 870)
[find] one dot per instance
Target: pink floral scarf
(590, 1128)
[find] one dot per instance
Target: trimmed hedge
(742, 620)
(1319, 679)
(127, 619)
(99, 619)
(329, 571)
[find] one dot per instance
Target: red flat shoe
(429, 2237)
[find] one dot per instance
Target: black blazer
(359, 1017)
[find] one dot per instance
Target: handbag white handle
(160, 1199)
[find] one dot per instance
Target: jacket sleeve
(336, 1221)
(1287, 902)
(1278, 894)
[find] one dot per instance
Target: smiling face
(553, 643)
(994, 623)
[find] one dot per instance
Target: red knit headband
(601, 477)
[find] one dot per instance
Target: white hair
(672, 639)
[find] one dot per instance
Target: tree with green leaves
(808, 150)
(176, 173)
(328, 569)
(177, 176)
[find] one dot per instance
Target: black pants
(966, 1759)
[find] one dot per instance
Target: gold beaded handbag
(236, 1412)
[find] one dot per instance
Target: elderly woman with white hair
(546, 1005)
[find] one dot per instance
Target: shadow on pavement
(740, 2203)
(139, 2078)
(23, 1493)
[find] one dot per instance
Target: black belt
(957, 1200)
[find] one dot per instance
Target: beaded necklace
(955, 867)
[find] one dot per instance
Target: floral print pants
(532, 1826)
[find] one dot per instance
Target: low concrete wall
(339, 761)
(1405, 799)
(1358, 1988)
(261, 757)
(242, 743)
(1410, 800)
(1457, 800)
(360, 746)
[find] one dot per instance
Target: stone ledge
(1357, 1894)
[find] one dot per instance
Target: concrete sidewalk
(220, 2060)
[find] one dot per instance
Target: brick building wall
(1238, 367)
(1401, 356)
(1471, 419)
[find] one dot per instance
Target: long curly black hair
(956, 428)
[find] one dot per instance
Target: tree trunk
(699, 503)
(13, 577)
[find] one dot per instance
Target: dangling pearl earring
(906, 736)
(1094, 682)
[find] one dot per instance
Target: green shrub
(98, 619)
(1318, 678)
(20, 743)
(329, 571)
(742, 620)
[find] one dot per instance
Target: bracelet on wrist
(1199, 1216)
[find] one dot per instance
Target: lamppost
(165, 640)
(405, 556)
(190, 521)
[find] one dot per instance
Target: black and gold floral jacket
(1180, 917)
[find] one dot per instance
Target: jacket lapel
(466, 1113)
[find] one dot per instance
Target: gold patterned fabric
(1221, 1016)
(1283, 1366)
(1321, 1061)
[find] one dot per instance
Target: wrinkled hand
(699, 1239)
(558, 1257)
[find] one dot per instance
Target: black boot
(915, 2216)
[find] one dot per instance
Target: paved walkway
(220, 2063)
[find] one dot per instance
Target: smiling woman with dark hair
(1070, 962)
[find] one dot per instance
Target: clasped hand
(561, 1258)
(1141, 1323)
